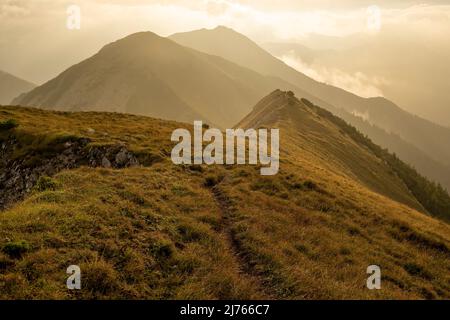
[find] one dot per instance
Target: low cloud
(357, 83)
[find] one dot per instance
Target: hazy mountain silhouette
(150, 75)
(11, 87)
(430, 138)
(395, 63)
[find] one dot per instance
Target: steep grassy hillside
(157, 230)
(426, 165)
(336, 150)
(431, 195)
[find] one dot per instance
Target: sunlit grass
(159, 231)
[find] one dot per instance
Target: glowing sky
(36, 45)
(35, 31)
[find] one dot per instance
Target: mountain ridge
(223, 232)
(382, 113)
(376, 168)
(182, 73)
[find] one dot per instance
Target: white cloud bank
(357, 83)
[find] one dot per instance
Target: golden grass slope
(219, 232)
(309, 137)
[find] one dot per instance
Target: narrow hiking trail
(227, 212)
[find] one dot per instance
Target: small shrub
(354, 231)
(162, 249)
(211, 181)
(133, 197)
(302, 248)
(16, 249)
(99, 278)
(284, 195)
(242, 173)
(196, 168)
(45, 183)
(5, 262)
(267, 185)
(50, 197)
(181, 191)
(148, 158)
(297, 185)
(8, 125)
(190, 233)
(416, 270)
(188, 264)
(324, 206)
(311, 185)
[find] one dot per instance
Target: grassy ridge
(211, 232)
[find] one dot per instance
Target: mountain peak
(222, 27)
(137, 39)
(146, 74)
(215, 36)
(218, 28)
(143, 35)
(226, 30)
(276, 106)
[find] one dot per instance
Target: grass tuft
(8, 125)
(45, 183)
(16, 249)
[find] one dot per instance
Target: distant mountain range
(398, 65)
(150, 75)
(215, 75)
(430, 140)
(11, 87)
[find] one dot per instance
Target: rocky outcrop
(18, 176)
(113, 156)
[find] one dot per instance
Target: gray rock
(122, 158)
(17, 179)
(106, 163)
